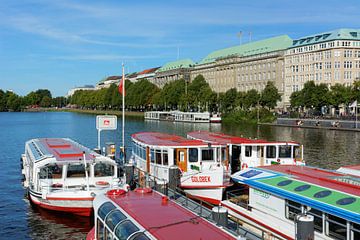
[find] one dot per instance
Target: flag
(354, 104)
(121, 86)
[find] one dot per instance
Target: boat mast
(123, 111)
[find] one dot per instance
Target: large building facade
(172, 71)
(330, 58)
(245, 67)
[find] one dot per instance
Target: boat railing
(199, 207)
(239, 197)
(82, 187)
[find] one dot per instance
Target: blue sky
(60, 44)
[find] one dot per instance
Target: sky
(61, 44)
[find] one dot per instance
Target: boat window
(105, 209)
(318, 219)
(143, 153)
(152, 155)
(297, 152)
(51, 171)
(114, 218)
(139, 236)
(271, 151)
(108, 235)
(125, 229)
(165, 158)
(207, 155)
(100, 230)
(284, 151)
(302, 188)
(158, 156)
(193, 154)
(248, 151)
(103, 170)
(292, 209)
(75, 170)
(355, 229)
(336, 227)
(346, 201)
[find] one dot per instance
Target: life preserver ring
(102, 183)
(57, 185)
(143, 190)
(244, 165)
(115, 192)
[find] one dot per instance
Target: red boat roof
(222, 138)
(64, 149)
(164, 139)
(321, 177)
(167, 220)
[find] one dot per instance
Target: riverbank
(341, 125)
(87, 111)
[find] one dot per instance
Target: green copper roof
(311, 192)
(339, 34)
(263, 46)
(183, 63)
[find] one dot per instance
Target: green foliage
(270, 96)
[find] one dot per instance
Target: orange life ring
(102, 183)
(244, 165)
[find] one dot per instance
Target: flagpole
(123, 111)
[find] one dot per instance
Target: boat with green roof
(270, 199)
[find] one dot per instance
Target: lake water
(20, 220)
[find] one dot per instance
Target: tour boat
(179, 116)
(270, 199)
(245, 152)
(144, 214)
(60, 174)
(204, 167)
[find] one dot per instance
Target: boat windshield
(75, 170)
(297, 152)
(103, 170)
(51, 171)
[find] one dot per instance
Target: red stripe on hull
(91, 234)
(70, 199)
(205, 199)
(86, 212)
(205, 187)
(259, 223)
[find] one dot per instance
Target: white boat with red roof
(204, 166)
(62, 175)
(246, 152)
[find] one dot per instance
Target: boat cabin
(272, 196)
(156, 152)
(245, 152)
(59, 163)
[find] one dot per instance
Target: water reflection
(44, 224)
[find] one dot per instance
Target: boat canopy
(62, 149)
(221, 138)
(164, 139)
(317, 188)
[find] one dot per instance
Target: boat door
(261, 155)
(181, 159)
(235, 158)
